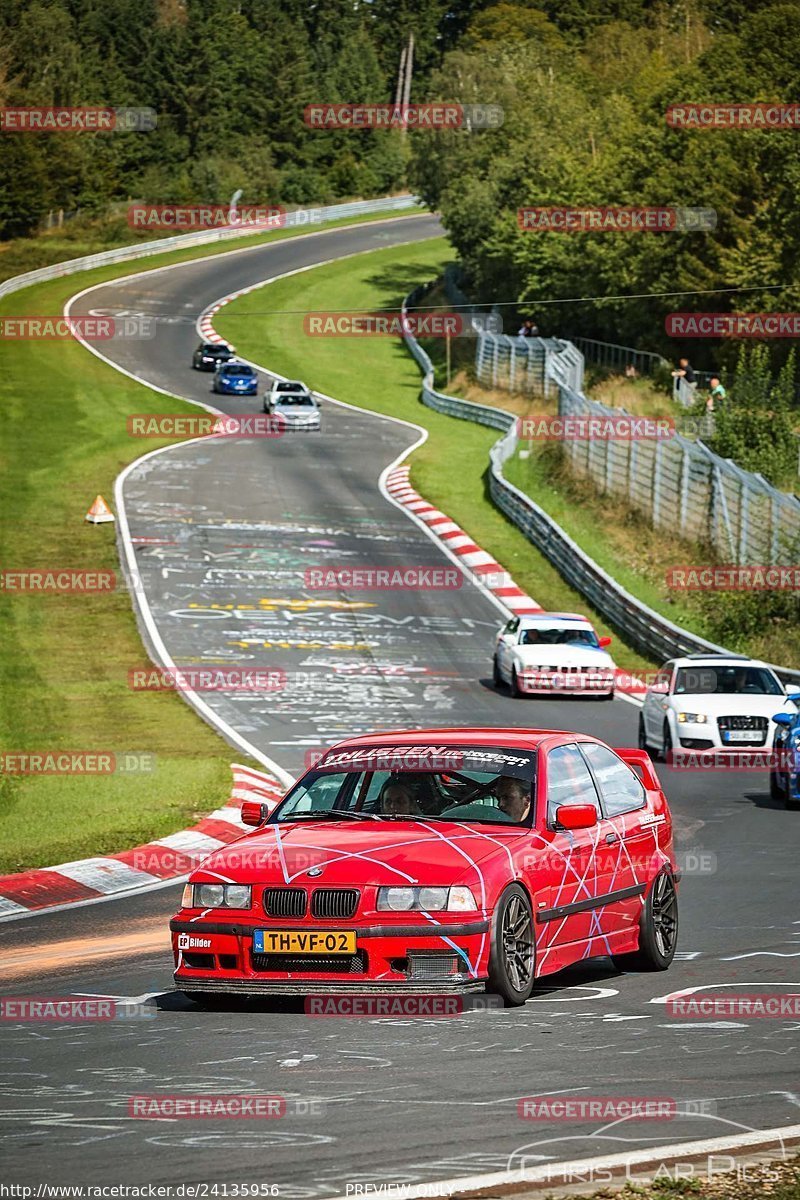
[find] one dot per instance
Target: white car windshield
(557, 637)
(727, 680)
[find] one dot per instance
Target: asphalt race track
(235, 524)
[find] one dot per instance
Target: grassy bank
(378, 374)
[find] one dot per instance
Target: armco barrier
(294, 220)
(644, 628)
(677, 484)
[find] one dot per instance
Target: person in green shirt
(715, 392)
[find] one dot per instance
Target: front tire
(775, 789)
(658, 929)
(513, 954)
(667, 748)
(497, 678)
(516, 692)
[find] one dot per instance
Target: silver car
(298, 412)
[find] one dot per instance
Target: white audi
(553, 653)
(712, 702)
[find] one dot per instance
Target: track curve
(237, 525)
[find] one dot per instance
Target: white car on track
(281, 388)
(553, 653)
(298, 411)
(712, 702)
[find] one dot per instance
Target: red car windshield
(399, 788)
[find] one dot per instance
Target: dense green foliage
(754, 426)
(228, 80)
(585, 85)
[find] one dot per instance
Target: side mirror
(603, 642)
(782, 718)
(254, 813)
(576, 816)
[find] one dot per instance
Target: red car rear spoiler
(642, 763)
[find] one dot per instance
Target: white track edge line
(543, 1173)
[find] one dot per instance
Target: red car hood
(374, 853)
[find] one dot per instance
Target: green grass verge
(65, 659)
(378, 374)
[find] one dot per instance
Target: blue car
(784, 776)
(235, 379)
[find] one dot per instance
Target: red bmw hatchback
(438, 860)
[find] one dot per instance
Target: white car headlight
(426, 899)
(685, 718)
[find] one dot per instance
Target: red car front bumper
(218, 956)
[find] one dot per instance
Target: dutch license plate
(298, 941)
(741, 735)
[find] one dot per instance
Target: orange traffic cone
(99, 512)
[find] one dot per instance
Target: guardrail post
(684, 489)
(720, 504)
(657, 486)
(744, 521)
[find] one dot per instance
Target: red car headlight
(217, 895)
(426, 899)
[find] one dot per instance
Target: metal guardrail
(645, 629)
(526, 364)
(683, 486)
(609, 354)
(296, 219)
(677, 483)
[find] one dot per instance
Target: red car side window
(569, 781)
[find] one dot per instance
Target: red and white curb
(205, 323)
(493, 577)
(170, 858)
